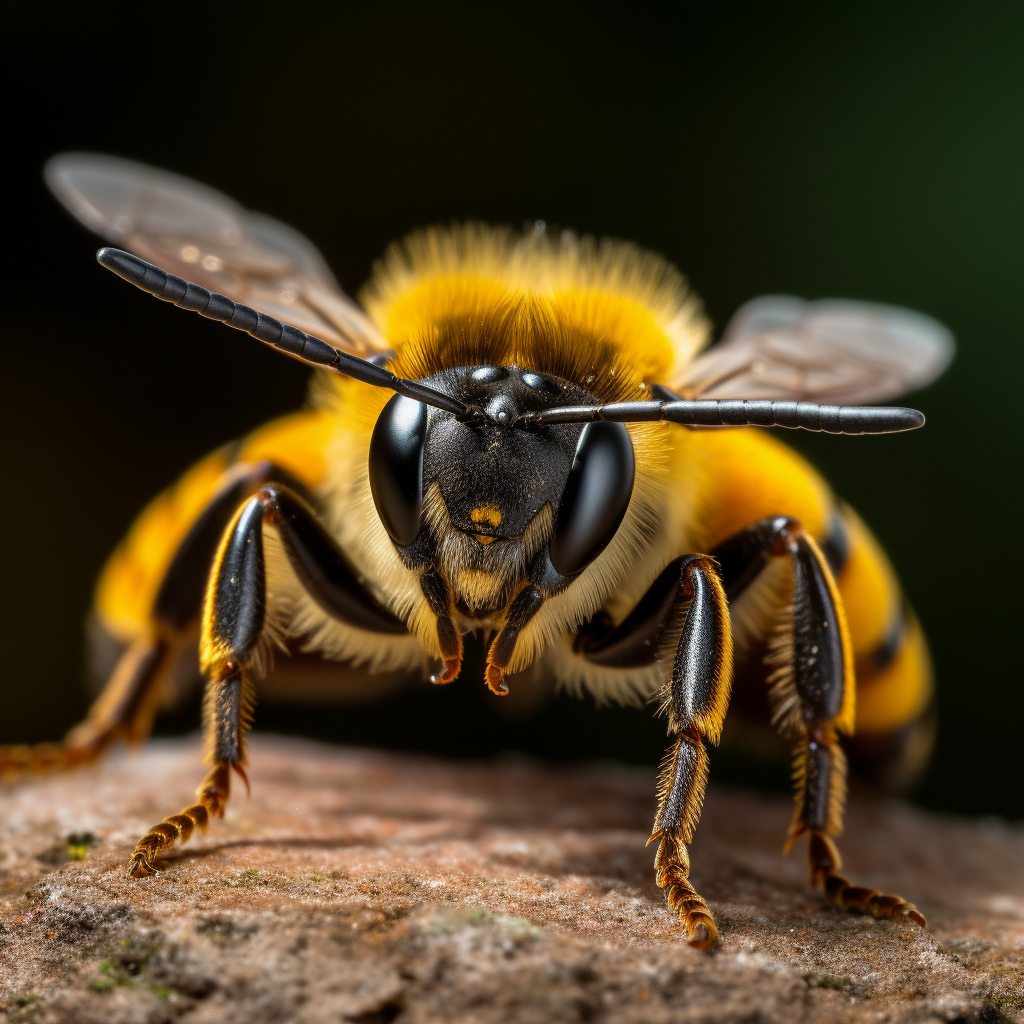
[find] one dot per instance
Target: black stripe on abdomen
(836, 544)
(883, 655)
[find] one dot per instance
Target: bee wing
(200, 234)
(783, 348)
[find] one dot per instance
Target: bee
(525, 436)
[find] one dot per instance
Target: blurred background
(871, 152)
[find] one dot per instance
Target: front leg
(696, 700)
(449, 640)
(235, 637)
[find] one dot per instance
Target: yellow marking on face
(484, 539)
(489, 514)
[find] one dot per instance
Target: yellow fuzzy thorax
(607, 316)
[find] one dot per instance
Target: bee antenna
(832, 419)
(283, 337)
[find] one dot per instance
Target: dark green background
(864, 152)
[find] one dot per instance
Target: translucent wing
(835, 351)
(201, 235)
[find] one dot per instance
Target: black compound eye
(396, 467)
(595, 497)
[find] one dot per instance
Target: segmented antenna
(832, 419)
(283, 337)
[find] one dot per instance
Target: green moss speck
(79, 844)
(113, 972)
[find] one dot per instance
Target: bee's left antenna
(283, 337)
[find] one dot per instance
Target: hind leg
(124, 710)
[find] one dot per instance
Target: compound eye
(396, 467)
(595, 497)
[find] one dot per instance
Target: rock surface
(370, 887)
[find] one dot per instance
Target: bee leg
(124, 709)
(439, 599)
(235, 636)
(696, 700)
(820, 774)
(522, 609)
(812, 695)
(233, 621)
(681, 785)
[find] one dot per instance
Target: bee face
(494, 478)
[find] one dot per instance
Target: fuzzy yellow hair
(607, 316)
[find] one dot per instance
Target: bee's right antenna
(283, 337)
(832, 419)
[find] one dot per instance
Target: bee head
(495, 476)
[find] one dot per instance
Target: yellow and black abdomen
(894, 723)
(742, 476)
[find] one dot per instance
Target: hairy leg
(687, 596)
(812, 694)
(235, 635)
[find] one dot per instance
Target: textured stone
(370, 887)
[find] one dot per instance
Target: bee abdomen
(893, 671)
